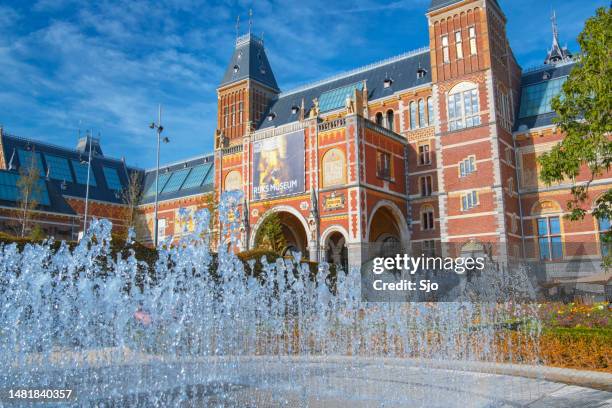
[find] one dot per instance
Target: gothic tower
(476, 83)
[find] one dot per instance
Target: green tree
(584, 112)
(270, 235)
(30, 189)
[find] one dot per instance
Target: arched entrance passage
(387, 230)
(334, 246)
(292, 227)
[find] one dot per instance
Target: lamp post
(89, 141)
(158, 129)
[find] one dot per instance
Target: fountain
(200, 331)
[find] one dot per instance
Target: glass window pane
(604, 224)
(25, 160)
(197, 175)
(80, 171)
(163, 178)
(112, 178)
(557, 248)
(542, 226)
(544, 249)
(58, 168)
(176, 180)
(555, 227)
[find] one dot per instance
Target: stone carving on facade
(314, 111)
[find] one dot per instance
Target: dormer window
(546, 76)
(271, 116)
(240, 55)
(262, 69)
(387, 82)
(421, 72)
(236, 69)
(295, 109)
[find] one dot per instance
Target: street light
(159, 129)
(87, 187)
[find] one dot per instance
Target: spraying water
(202, 329)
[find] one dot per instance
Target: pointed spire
(556, 53)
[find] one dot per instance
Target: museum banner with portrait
(278, 166)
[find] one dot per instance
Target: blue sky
(105, 65)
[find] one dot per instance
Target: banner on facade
(278, 166)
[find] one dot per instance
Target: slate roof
(402, 70)
(69, 186)
(181, 179)
(533, 77)
(249, 60)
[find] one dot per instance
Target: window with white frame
(424, 156)
(426, 186)
(390, 119)
(427, 218)
(430, 111)
(463, 107)
(469, 200)
(459, 44)
(445, 53)
(422, 113)
(467, 166)
(472, 34)
(549, 238)
(413, 115)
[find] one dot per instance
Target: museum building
(425, 152)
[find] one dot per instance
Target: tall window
(421, 113)
(472, 34)
(383, 165)
(233, 115)
(379, 119)
(426, 186)
(424, 157)
(225, 117)
(427, 218)
(604, 230)
(413, 115)
(463, 109)
(469, 200)
(445, 54)
(428, 248)
(458, 44)
(467, 166)
(549, 238)
(390, 119)
(430, 111)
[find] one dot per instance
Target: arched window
(413, 115)
(379, 119)
(463, 106)
(430, 111)
(421, 113)
(334, 168)
(604, 230)
(390, 119)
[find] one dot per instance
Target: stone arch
(282, 209)
(462, 87)
(400, 221)
(334, 245)
(545, 207)
(232, 181)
